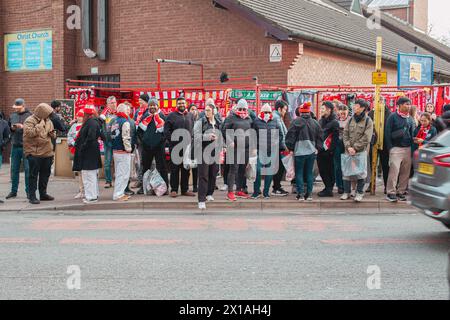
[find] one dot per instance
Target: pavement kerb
(225, 206)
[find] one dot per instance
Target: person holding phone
(38, 132)
(16, 121)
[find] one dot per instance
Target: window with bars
(105, 78)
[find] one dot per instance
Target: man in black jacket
(16, 121)
(440, 122)
(330, 128)
(179, 119)
(151, 130)
(399, 135)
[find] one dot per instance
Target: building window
(356, 7)
(101, 78)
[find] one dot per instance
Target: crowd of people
(338, 145)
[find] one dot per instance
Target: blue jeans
(337, 165)
(267, 179)
(16, 160)
(108, 161)
(304, 166)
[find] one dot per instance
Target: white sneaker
(224, 188)
(345, 196)
(353, 194)
(359, 197)
(202, 206)
(80, 195)
(209, 198)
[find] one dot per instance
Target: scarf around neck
(242, 114)
(266, 118)
(402, 114)
(423, 133)
(140, 115)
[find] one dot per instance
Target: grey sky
(439, 17)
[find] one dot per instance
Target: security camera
(89, 53)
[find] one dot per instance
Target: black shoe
(195, 190)
(340, 191)
(34, 201)
(140, 191)
(129, 192)
(280, 193)
(11, 196)
(325, 193)
(401, 197)
(46, 197)
(300, 197)
(391, 198)
(1, 201)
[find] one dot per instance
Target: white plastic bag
(157, 183)
(354, 166)
(289, 164)
(188, 162)
(152, 180)
(250, 171)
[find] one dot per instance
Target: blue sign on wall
(29, 51)
(415, 70)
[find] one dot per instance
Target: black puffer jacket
(17, 134)
(270, 127)
(304, 137)
(234, 122)
(330, 126)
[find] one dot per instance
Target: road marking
(140, 242)
(227, 224)
(20, 241)
(376, 241)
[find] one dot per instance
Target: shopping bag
(188, 162)
(250, 171)
(289, 164)
(146, 182)
(354, 166)
(157, 183)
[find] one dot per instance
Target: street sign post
(378, 78)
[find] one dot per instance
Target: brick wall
(420, 14)
(319, 67)
(198, 31)
(401, 13)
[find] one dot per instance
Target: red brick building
(322, 43)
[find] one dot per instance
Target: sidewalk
(64, 189)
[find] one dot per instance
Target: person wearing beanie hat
(268, 150)
(151, 133)
(144, 99)
(239, 119)
(87, 158)
(330, 128)
(16, 120)
(304, 140)
(122, 148)
(38, 132)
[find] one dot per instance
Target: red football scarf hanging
(422, 134)
(140, 115)
(158, 121)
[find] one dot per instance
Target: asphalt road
(222, 256)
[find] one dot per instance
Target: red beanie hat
(89, 109)
(305, 108)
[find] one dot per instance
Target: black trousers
(157, 154)
(236, 175)
(325, 162)
(40, 170)
(226, 170)
(207, 174)
(175, 178)
(195, 178)
(278, 176)
(384, 159)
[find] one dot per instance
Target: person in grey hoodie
(304, 140)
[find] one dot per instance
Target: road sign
(276, 52)
(379, 78)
